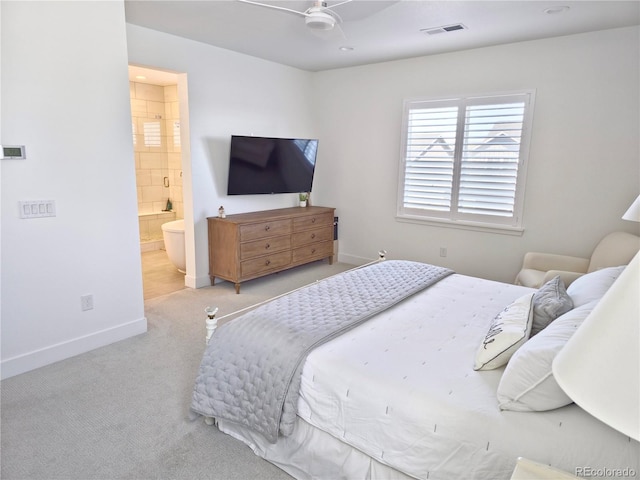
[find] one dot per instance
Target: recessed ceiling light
(556, 9)
(141, 77)
(345, 49)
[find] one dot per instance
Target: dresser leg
(237, 288)
(213, 280)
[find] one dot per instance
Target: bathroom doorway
(158, 156)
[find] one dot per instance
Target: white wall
(584, 140)
(228, 93)
(584, 167)
(69, 104)
(65, 95)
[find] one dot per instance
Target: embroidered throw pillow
(507, 332)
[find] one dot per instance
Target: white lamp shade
(599, 367)
(633, 213)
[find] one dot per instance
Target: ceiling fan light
(320, 21)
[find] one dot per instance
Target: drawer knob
(267, 246)
(313, 250)
(267, 228)
(313, 220)
(313, 235)
(267, 263)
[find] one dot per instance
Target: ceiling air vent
(443, 29)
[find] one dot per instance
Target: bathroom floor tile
(159, 276)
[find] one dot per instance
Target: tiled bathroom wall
(151, 231)
(156, 141)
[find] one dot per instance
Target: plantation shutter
(489, 159)
(463, 157)
(431, 140)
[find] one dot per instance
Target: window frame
(450, 218)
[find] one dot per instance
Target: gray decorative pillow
(549, 302)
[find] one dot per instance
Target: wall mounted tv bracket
(13, 152)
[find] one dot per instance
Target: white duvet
(397, 398)
(401, 388)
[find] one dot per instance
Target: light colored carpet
(121, 411)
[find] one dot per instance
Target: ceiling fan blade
(341, 31)
(355, 10)
(274, 7)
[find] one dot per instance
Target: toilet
(173, 235)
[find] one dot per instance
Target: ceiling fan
(319, 16)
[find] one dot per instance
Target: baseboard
(151, 246)
(354, 259)
(197, 282)
(11, 367)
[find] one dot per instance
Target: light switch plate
(37, 208)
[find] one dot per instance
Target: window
(152, 134)
(464, 160)
(176, 133)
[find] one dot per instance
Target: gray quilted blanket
(250, 371)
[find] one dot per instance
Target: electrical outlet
(86, 302)
(443, 252)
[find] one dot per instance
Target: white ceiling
(377, 30)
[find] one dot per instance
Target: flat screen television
(260, 165)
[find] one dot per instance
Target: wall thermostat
(16, 152)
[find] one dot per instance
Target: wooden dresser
(250, 245)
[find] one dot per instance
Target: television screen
(271, 165)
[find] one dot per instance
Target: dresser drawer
(311, 221)
(313, 251)
(313, 236)
(262, 247)
(257, 231)
(276, 261)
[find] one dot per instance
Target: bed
(409, 390)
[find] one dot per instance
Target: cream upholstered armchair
(615, 249)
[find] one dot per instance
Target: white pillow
(592, 286)
(527, 384)
(507, 332)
